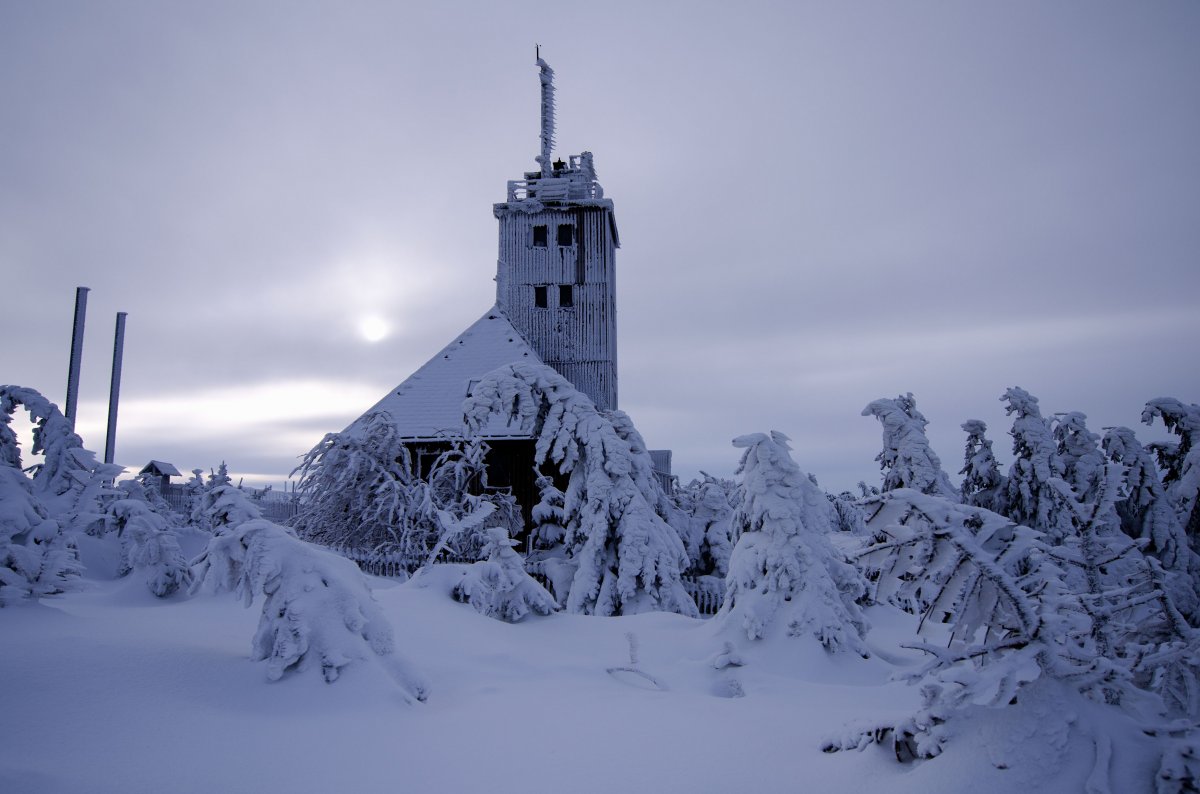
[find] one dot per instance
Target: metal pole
(114, 390)
(76, 354)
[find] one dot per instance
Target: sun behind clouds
(373, 328)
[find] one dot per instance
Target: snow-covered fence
(393, 564)
(277, 507)
(176, 498)
(706, 591)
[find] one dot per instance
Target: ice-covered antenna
(547, 137)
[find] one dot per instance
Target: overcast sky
(819, 204)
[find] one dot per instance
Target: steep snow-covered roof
(429, 403)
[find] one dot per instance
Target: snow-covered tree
(317, 612)
(1180, 461)
(150, 543)
(37, 559)
(357, 489)
(499, 587)
(40, 515)
(225, 506)
(360, 489)
(219, 477)
(1079, 453)
(784, 574)
(1029, 496)
(1018, 627)
(707, 508)
(983, 484)
(848, 516)
(1147, 512)
(548, 515)
(629, 559)
(907, 460)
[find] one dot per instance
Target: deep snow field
(113, 690)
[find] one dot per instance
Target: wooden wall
(579, 341)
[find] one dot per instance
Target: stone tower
(556, 276)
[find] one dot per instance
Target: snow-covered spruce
(906, 459)
(1029, 496)
(36, 558)
(548, 516)
(1180, 461)
(707, 509)
(318, 612)
(499, 587)
(784, 574)
(1079, 453)
(40, 515)
(848, 516)
(1021, 610)
(151, 545)
(1148, 513)
(629, 558)
(225, 506)
(983, 484)
(1013, 619)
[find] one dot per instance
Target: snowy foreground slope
(114, 690)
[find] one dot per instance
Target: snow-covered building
(163, 471)
(555, 304)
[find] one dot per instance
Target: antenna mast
(547, 136)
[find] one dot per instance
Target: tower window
(566, 295)
(539, 236)
(566, 234)
(539, 295)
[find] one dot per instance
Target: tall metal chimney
(114, 389)
(76, 354)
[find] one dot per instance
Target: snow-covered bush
(318, 612)
(499, 587)
(983, 484)
(784, 574)
(629, 559)
(150, 545)
(906, 459)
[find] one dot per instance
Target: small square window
(566, 234)
(539, 296)
(539, 236)
(566, 295)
